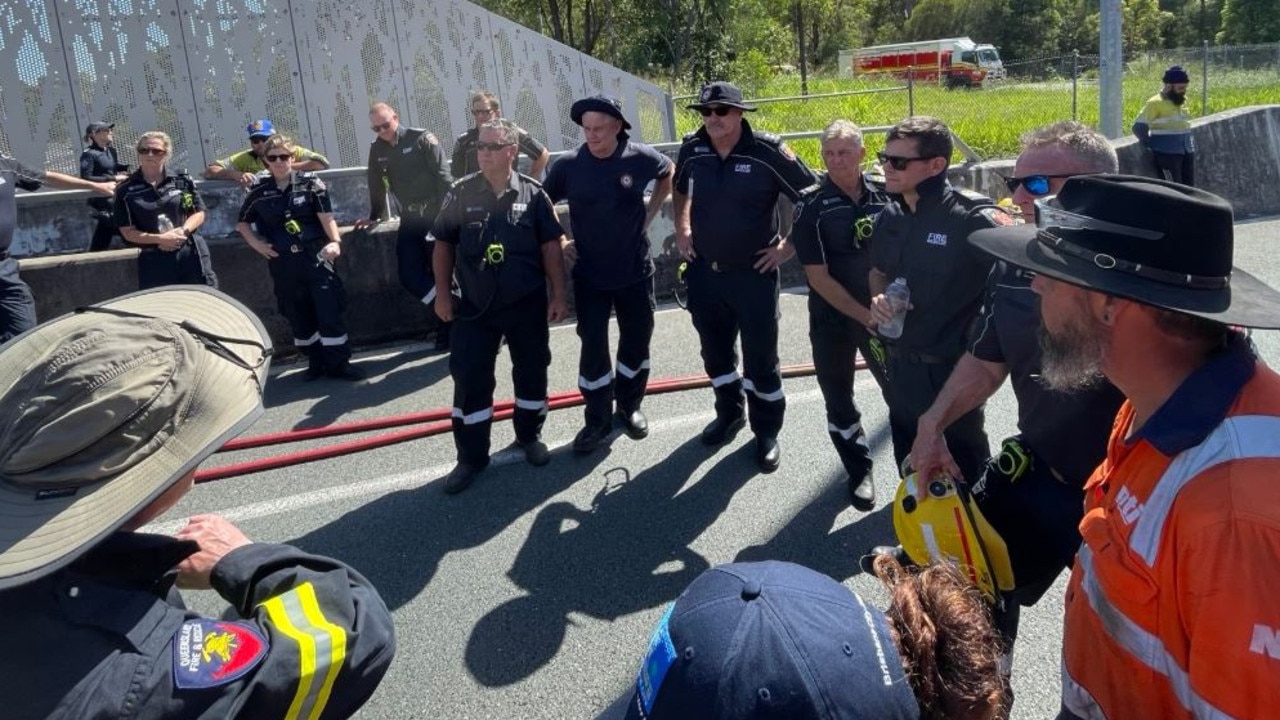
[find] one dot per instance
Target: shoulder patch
(997, 216)
(431, 138)
(208, 653)
(786, 151)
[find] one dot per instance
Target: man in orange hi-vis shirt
(1173, 610)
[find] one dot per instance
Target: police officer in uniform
(162, 212)
(832, 238)
(292, 211)
(499, 231)
(484, 107)
(728, 182)
(100, 163)
(17, 304)
(604, 181)
(408, 163)
(922, 236)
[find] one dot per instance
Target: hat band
(1110, 262)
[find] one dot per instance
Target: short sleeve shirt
(139, 205)
(833, 229)
(270, 209)
(14, 175)
(607, 210)
(521, 219)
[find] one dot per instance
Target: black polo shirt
(139, 205)
(826, 233)
(607, 210)
(303, 199)
(945, 273)
(522, 219)
(100, 164)
(1068, 430)
(413, 169)
(733, 201)
(464, 160)
(14, 175)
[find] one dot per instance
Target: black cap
(95, 126)
(598, 103)
(720, 93)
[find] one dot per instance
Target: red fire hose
(437, 422)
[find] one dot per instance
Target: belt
(720, 267)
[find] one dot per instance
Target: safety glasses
(897, 162)
(278, 158)
(492, 147)
(717, 111)
(1037, 185)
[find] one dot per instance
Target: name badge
(742, 167)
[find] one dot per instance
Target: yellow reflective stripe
(322, 647)
(337, 645)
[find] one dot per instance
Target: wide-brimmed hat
(756, 641)
(720, 93)
(598, 103)
(103, 409)
(1157, 242)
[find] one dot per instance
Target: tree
(1250, 21)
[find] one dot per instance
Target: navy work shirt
(14, 175)
(946, 275)
(607, 210)
(733, 199)
(100, 164)
(412, 169)
(833, 229)
(139, 205)
(464, 160)
(521, 219)
(303, 199)
(1069, 430)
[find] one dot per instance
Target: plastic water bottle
(899, 297)
(164, 223)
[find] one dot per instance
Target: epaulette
(689, 136)
(807, 193)
(311, 180)
(530, 180)
(997, 215)
(771, 138)
(874, 182)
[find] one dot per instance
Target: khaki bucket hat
(105, 408)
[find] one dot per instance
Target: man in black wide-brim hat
(1171, 611)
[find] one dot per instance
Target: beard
(1071, 359)
(1176, 98)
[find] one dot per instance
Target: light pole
(1111, 77)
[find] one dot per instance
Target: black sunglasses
(897, 162)
(277, 158)
(1037, 185)
(152, 151)
(380, 127)
(718, 111)
(492, 147)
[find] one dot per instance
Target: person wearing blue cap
(604, 181)
(245, 166)
(773, 640)
(1164, 128)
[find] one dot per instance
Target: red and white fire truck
(952, 62)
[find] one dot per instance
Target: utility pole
(1111, 78)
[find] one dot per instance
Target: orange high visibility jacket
(1173, 610)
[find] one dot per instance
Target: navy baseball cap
(771, 641)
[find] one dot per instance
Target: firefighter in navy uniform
(408, 163)
(161, 212)
(604, 181)
(832, 238)
(922, 236)
(100, 163)
(727, 186)
(294, 214)
(499, 231)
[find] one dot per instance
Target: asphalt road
(532, 594)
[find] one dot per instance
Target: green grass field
(989, 120)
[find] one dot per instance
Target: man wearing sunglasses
(243, 167)
(485, 107)
(409, 164)
(1032, 491)
(920, 236)
(730, 229)
(832, 236)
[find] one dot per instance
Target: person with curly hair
(749, 641)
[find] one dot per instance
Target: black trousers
(413, 264)
(634, 306)
(17, 304)
(309, 295)
(103, 233)
(1180, 168)
(188, 265)
(471, 364)
(913, 386)
(727, 302)
(835, 338)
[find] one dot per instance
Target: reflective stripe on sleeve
(322, 648)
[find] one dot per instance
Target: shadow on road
(390, 378)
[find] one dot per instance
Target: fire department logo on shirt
(626, 180)
(937, 239)
(207, 653)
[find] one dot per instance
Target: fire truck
(951, 62)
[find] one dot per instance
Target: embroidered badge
(207, 653)
(787, 152)
(742, 167)
(659, 659)
(999, 216)
(626, 180)
(936, 239)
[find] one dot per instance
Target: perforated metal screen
(202, 69)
